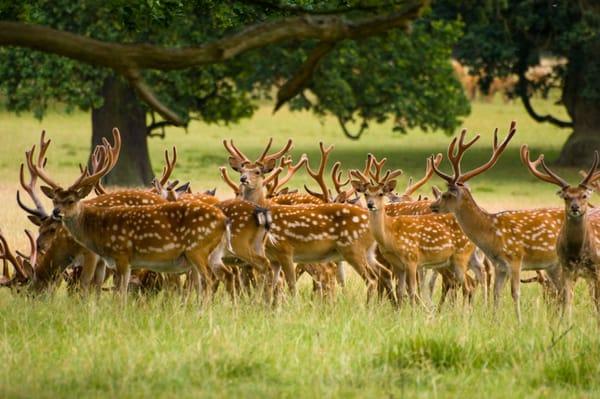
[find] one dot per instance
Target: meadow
(61, 345)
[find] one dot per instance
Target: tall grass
(64, 346)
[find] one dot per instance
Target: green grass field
(63, 346)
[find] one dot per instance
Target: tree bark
(122, 109)
(583, 110)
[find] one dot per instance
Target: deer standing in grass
(307, 233)
(578, 243)
(412, 242)
(512, 240)
(57, 248)
(166, 237)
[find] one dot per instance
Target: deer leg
(412, 283)
(400, 274)
(432, 281)
(124, 273)
(499, 281)
(515, 288)
(360, 263)
(446, 286)
(90, 260)
(476, 265)
(422, 285)
(567, 295)
(340, 274)
(99, 276)
(383, 273)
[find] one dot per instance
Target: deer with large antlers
(512, 240)
(411, 242)
(306, 233)
(578, 243)
(166, 237)
(57, 248)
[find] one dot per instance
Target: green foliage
(501, 35)
(401, 76)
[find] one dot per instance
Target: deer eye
(257, 173)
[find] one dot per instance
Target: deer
(411, 242)
(512, 240)
(404, 204)
(56, 247)
(578, 242)
(306, 233)
(165, 237)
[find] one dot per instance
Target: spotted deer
(56, 247)
(411, 242)
(578, 243)
(404, 204)
(306, 233)
(512, 240)
(249, 225)
(166, 237)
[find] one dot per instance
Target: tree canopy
(510, 36)
(406, 76)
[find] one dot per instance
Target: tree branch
(353, 136)
(147, 95)
(303, 75)
(522, 91)
(130, 57)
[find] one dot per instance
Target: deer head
(375, 187)
(451, 200)
(575, 197)
(253, 174)
(66, 201)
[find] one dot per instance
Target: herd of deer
(244, 243)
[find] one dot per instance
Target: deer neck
(80, 225)
(378, 222)
(573, 235)
(476, 223)
(255, 195)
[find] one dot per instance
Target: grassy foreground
(62, 346)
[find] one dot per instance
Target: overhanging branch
(303, 75)
(353, 136)
(523, 93)
(130, 59)
(127, 57)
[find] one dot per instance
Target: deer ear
(389, 186)
(436, 192)
(48, 192)
(35, 220)
(341, 198)
(359, 186)
(84, 191)
(236, 164)
(268, 166)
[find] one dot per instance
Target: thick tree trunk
(583, 109)
(123, 110)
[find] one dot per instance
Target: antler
(229, 181)
(549, 176)
(286, 162)
(169, 166)
(234, 151)
(17, 260)
(411, 188)
(107, 159)
(318, 175)
(592, 176)
(264, 158)
(455, 156)
(37, 167)
(29, 188)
